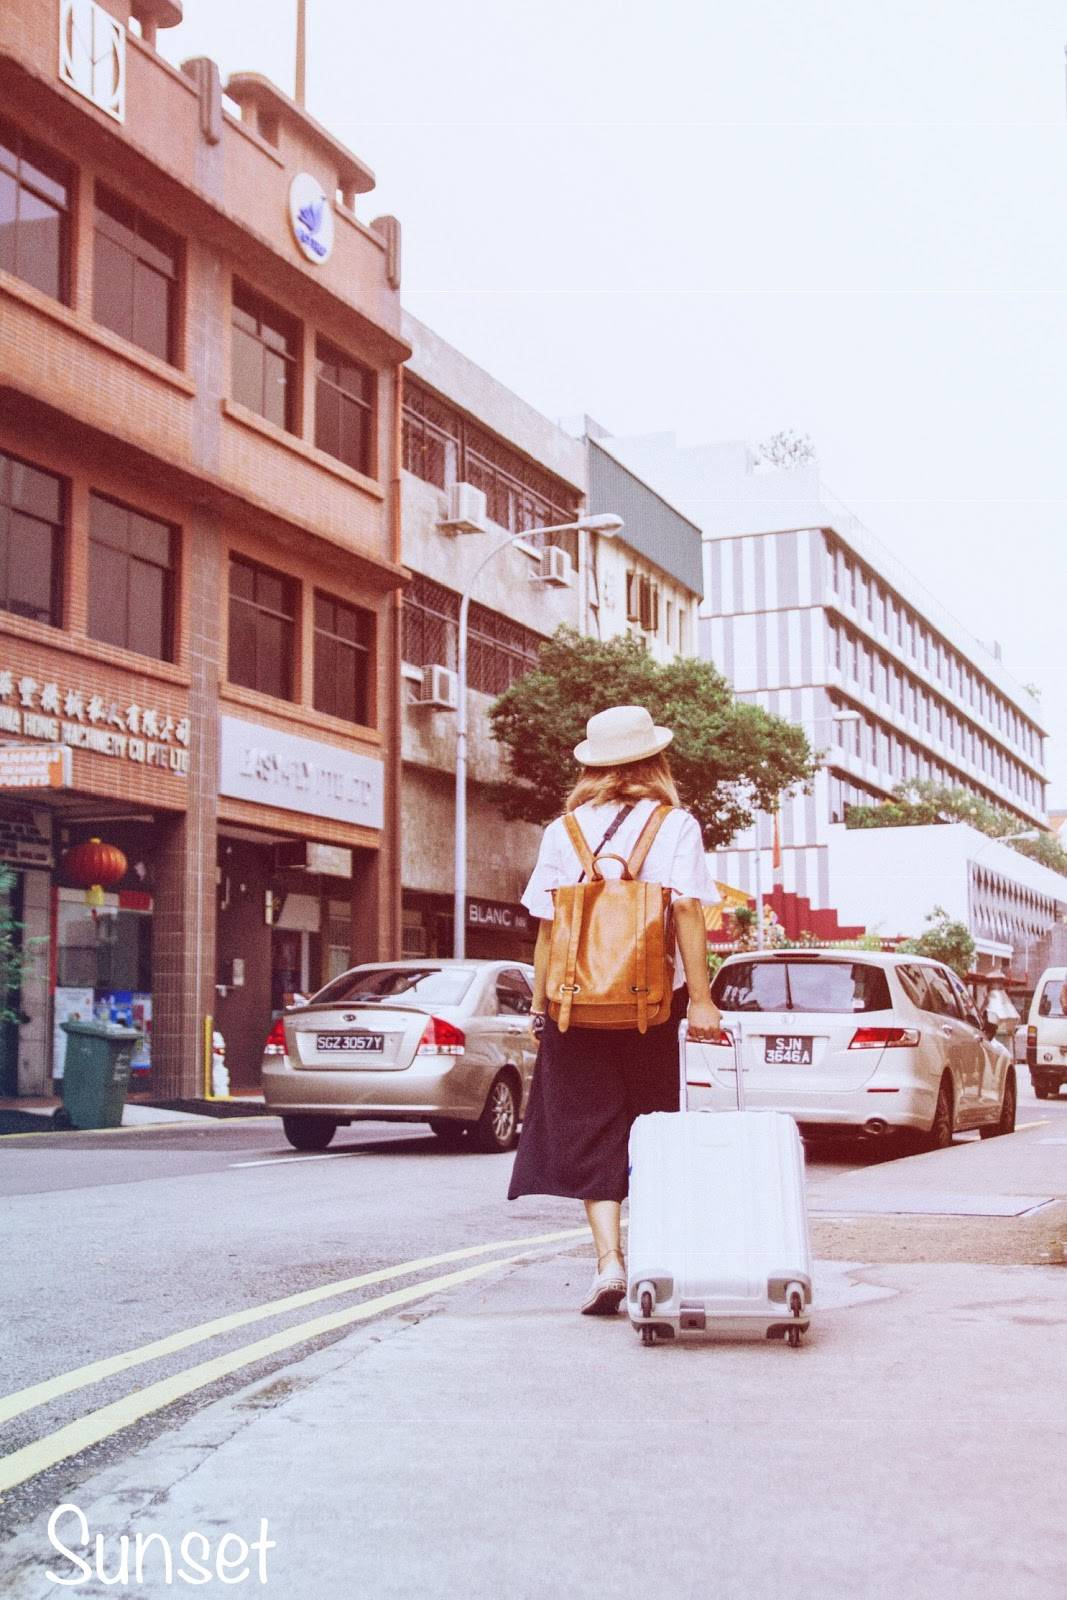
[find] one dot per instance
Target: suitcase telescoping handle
(734, 1030)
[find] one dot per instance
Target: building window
(265, 344)
(131, 579)
(34, 212)
(262, 628)
(500, 650)
(135, 276)
(344, 407)
(344, 642)
(442, 446)
(32, 515)
(642, 601)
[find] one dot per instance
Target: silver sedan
(443, 1042)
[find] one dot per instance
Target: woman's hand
(705, 1021)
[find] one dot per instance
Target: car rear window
(1052, 999)
(844, 986)
(438, 986)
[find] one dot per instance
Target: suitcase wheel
(796, 1306)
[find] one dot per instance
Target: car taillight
(275, 1045)
(883, 1038)
(441, 1038)
(1031, 1034)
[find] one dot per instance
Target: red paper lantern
(94, 867)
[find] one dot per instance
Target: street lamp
(835, 716)
(604, 523)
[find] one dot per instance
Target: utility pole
(301, 52)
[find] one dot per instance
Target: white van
(1046, 1033)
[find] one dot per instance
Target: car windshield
(1052, 999)
(847, 986)
(436, 986)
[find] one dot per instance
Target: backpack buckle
(570, 988)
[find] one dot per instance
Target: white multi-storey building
(811, 618)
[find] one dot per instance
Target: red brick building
(199, 538)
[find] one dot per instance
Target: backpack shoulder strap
(647, 838)
(577, 838)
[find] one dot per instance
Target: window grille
(500, 651)
(442, 446)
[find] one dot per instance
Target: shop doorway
(289, 964)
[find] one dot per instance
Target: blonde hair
(633, 780)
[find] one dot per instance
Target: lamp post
(605, 523)
(835, 716)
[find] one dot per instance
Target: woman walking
(591, 1083)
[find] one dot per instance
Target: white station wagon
(859, 1042)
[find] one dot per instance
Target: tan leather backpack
(611, 959)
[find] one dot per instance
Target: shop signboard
(77, 717)
(495, 914)
(35, 766)
(272, 768)
(26, 837)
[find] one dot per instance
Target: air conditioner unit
(466, 509)
(555, 568)
(438, 687)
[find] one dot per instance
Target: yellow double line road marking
(107, 1420)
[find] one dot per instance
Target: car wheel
(942, 1127)
(450, 1133)
(1005, 1123)
(1042, 1091)
(497, 1129)
(308, 1133)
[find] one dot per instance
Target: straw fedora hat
(621, 734)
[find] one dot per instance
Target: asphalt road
(116, 1240)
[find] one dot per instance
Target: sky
(723, 218)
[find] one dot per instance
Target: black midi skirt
(589, 1085)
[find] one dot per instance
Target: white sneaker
(606, 1293)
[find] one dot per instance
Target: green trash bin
(96, 1073)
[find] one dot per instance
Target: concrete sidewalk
(491, 1442)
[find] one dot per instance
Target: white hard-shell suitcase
(718, 1239)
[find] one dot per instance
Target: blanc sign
(273, 768)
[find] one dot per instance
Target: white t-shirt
(676, 858)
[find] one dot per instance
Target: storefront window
(31, 540)
(344, 639)
(262, 628)
(34, 202)
(103, 969)
(131, 579)
(135, 273)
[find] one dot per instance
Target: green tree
(726, 756)
(944, 940)
(16, 954)
(914, 804)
